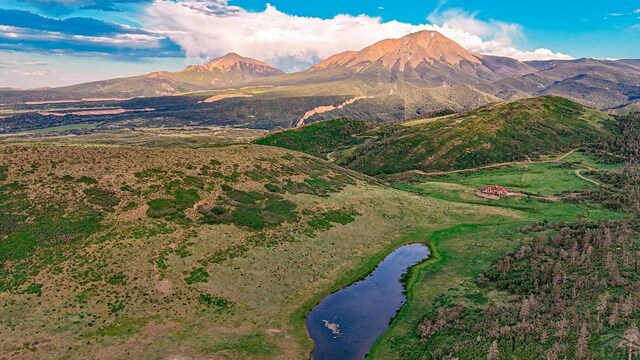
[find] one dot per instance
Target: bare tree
(493, 352)
(602, 305)
(583, 343)
(525, 310)
(631, 341)
(615, 315)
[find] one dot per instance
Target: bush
(216, 301)
(4, 173)
(160, 208)
(102, 197)
(87, 180)
(197, 275)
(248, 216)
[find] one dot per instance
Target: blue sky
(60, 42)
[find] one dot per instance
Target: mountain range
(419, 74)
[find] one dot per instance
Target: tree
(631, 341)
(525, 310)
(583, 343)
(615, 315)
(493, 352)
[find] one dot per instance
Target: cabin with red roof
(493, 192)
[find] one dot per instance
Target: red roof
(495, 189)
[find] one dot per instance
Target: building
(493, 192)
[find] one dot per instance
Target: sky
(49, 43)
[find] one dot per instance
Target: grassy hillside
(320, 138)
(496, 133)
(500, 132)
(149, 252)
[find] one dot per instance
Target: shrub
(197, 275)
(87, 180)
(102, 197)
(248, 216)
(34, 289)
(4, 173)
(216, 301)
(160, 208)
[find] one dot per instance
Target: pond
(345, 324)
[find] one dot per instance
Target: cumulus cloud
(210, 28)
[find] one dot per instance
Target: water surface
(345, 324)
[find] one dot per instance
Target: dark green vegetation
(319, 138)
(502, 132)
(567, 288)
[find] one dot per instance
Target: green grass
(64, 128)
(122, 327)
(319, 138)
(48, 230)
(217, 302)
(540, 179)
(461, 252)
(173, 209)
(251, 345)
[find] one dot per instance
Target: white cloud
(210, 28)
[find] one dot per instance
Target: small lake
(345, 324)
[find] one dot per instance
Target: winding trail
(579, 174)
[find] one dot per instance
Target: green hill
(320, 138)
(500, 132)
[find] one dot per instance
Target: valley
(234, 243)
(406, 199)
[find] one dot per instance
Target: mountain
(425, 57)
(224, 71)
(602, 84)
(228, 70)
(499, 132)
(420, 74)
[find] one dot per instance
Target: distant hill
(225, 71)
(499, 132)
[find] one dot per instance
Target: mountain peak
(232, 59)
(410, 50)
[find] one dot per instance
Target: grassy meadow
(126, 251)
